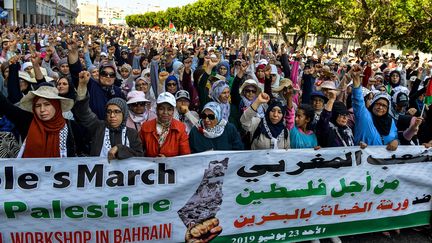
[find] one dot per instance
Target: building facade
(30, 12)
(87, 13)
(108, 16)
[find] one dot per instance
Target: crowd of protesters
(120, 93)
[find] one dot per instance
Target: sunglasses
(107, 74)
(250, 91)
(171, 84)
(211, 117)
(138, 104)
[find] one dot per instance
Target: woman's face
(342, 120)
(95, 74)
(124, 73)
(209, 119)
(145, 63)
(171, 87)
(260, 73)
(62, 86)
(378, 81)
(29, 71)
(6, 73)
(114, 116)
(23, 85)
(380, 107)
(223, 70)
(275, 115)
(300, 118)
(250, 92)
(107, 76)
(273, 78)
(138, 107)
(224, 96)
(141, 85)
(64, 68)
(394, 78)
(182, 102)
(165, 112)
(44, 110)
(318, 103)
(368, 99)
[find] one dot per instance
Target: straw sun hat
(47, 92)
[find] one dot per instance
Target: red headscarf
(261, 66)
(43, 138)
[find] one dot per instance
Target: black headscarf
(339, 108)
(275, 129)
(71, 94)
(382, 123)
(398, 83)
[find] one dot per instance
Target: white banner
(257, 196)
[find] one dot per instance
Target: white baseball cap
(166, 97)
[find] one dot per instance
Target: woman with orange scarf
(39, 120)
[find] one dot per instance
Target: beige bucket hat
(47, 92)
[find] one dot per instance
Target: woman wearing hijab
(374, 125)
(165, 136)
(66, 89)
(220, 93)
(332, 128)
(395, 80)
(269, 132)
(111, 137)
(39, 120)
(139, 110)
(223, 69)
(183, 113)
(249, 91)
(260, 73)
(144, 84)
(213, 132)
(172, 85)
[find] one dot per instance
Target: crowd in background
(119, 93)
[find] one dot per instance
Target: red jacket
(176, 143)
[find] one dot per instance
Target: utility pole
(27, 23)
(14, 12)
(56, 12)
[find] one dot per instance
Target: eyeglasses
(138, 104)
(250, 91)
(115, 112)
(211, 117)
(222, 68)
(171, 84)
(107, 74)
